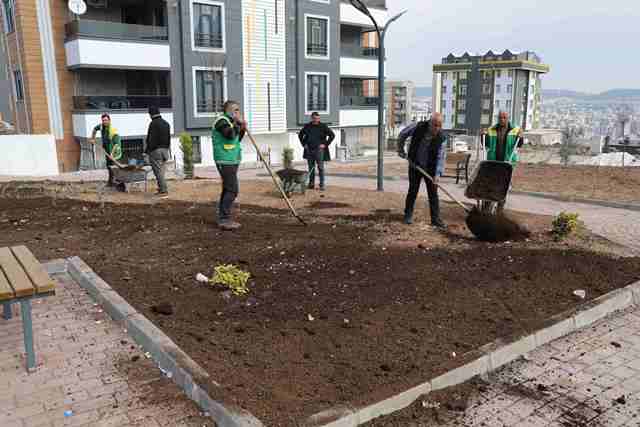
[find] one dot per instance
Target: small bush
(565, 224)
(287, 157)
(186, 146)
(232, 278)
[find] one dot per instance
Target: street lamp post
(382, 32)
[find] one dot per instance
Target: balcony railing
(315, 49)
(358, 101)
(209, 106)
(207, 40)
(116, 30)
(120, 102)
(316, 105)
(354, 51)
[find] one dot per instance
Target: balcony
(116, 31)
(359, 102)
(117, 103)
(114, 45)
(350, 15)
(129, 124)
(356, 51)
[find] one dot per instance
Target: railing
(355, 51)
(120, 102)
(314, 105)
(213, 41)
(315, 49)
(209, 106)
(116, 30)
(358, 101)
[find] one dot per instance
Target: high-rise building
(470, 90)
(280, 59)
(399, 97)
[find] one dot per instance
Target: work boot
(408, 219)
(323, 188)
(437, 223)
(228, 225)
(311, 187)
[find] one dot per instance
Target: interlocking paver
(81, 354)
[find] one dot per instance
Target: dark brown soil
(495, 228)
(491, 182)
(332, 316)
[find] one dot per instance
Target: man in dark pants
(158, 148)
(427, 150)
(227, 132)
(111, 144)
(316, 137)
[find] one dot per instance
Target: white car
(460, 147)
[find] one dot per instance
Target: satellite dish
(79, 7)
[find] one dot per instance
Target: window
(444, 89)
(498, 74)
(445, 76)
(209, 90)
(463, 90)
(497, 104)
(509, 105)
(8, 16)
(485, 120)
(17, 75)
(509, 88)
(453, 104)
(461, 119)
(486, 88)
(317, 36)
(510, 74)
(208, 25)
(197, 150)
(444, 118)
(443, 105)
(317, 93)
(498, 88)
(486, 104)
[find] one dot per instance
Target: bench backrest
(21, 275)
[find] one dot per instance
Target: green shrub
(565, 224)
(186, 146)
(232, 278)
(287, 157)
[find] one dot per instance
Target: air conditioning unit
(98, 4)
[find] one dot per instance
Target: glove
(402, 155)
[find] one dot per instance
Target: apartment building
(281, 59)
(399, 98)
(470, 90)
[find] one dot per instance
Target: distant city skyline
(588, 43)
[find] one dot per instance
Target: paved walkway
(87, 365)
(591, 378)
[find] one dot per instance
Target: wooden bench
(23, 278)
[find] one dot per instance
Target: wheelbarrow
(490, 183)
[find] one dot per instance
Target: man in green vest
(501, 142)
(228, 130)
(111, 144)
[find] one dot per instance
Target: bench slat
(36, 272)
(6, 292)
(16, 275)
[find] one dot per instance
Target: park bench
(457, 165)
(23, 278)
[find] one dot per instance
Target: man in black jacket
(427, 150)
(316, 137)
(158, 148)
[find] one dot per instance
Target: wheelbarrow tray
(130, 174)
(490, 181)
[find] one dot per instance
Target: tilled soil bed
(332, 316)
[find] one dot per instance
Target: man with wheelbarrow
(502, 141)
(111, 145)
(228, 130)
(427, 151)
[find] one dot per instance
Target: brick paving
(86, 364)
(591, 378)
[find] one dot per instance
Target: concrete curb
(176, 364)
(491, 357)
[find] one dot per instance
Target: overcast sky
(590, 45)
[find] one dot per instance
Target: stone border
(491, 357)
(183, 370)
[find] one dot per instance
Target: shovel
(119, 165)
(275, 180)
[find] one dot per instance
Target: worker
(228, 130)
(316, 137)
(501, 142)
(158, 149)
(111, 144)
(426, 150)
